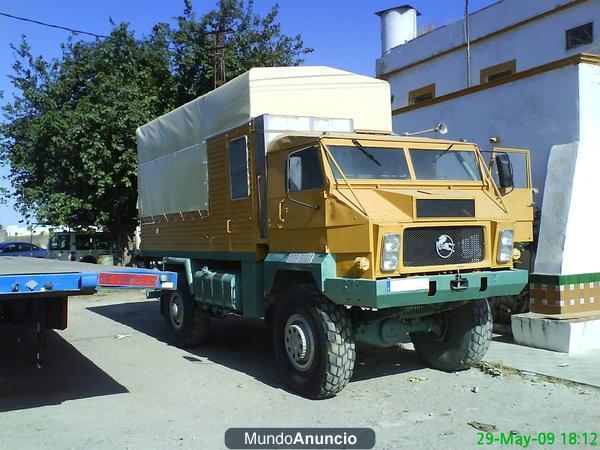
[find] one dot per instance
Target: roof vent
(398, 26)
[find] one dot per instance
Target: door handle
(228, 226)
(259, 191)
(280, 211)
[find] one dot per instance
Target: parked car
(22, 249)
(90, 247)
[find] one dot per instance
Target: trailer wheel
(314, 344)
(462, 339)
(186, 320)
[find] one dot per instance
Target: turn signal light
(362, 263)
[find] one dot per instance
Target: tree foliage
(69, 133)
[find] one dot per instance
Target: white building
(534, 83)
(19, 230)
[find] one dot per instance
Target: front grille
(442, 246)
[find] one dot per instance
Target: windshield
(370, 163)
(444, 164)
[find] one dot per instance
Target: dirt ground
(111, 380)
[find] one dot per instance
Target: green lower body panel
(424, 290)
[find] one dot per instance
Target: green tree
(69, 134)
(252, 41)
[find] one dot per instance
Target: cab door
(519, 198)
(296, 200)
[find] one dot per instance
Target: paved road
(113, 381)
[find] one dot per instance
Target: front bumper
(423, 290)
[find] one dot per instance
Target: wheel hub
(299, 342)
(176, 310)
(442, 328)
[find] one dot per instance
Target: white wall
(487, 20)
(534, 113)
(583, 227)
(18, 230)
(537, 43)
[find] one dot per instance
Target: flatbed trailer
(35, 291)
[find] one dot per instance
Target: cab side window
(519, 165)
(304, 170)
(239, 179)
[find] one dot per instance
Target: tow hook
(459, 283)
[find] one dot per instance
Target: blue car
(22, 249)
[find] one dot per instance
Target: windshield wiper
(444, 152)
(365, 151)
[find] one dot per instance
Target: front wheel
(314, 344)
(461, 339)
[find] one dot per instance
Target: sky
(344, 33)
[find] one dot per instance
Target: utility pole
(220, 77)
(468, 43)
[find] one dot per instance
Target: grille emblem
(444, 246)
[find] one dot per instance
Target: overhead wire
(25, 19)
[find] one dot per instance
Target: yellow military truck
(284, 195)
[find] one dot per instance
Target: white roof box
(313, 91)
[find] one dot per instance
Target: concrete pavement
(113, 381)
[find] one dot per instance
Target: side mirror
(505, 171)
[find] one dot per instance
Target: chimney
(398, 26)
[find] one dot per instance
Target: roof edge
(379, 13)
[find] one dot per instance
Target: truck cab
(435, 200)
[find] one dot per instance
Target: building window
(580, 35)
(492, 73)
(422, 94)
(239, 180)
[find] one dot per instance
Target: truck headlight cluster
(389, 252)
(505, 246)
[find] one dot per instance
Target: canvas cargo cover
(172, 158)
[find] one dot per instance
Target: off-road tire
(195, 322)
(334, 347)
(465, 340)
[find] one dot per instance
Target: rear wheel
(186, 320)
(314, 344)
(462, 338)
